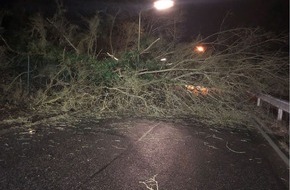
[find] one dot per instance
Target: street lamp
(163, 4)
(159, 5)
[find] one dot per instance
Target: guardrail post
(280, 114)
(280, 104)
(259, 102)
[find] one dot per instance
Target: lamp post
(159, 5)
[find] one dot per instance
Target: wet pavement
(136, 153)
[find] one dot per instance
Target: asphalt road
(133, 154)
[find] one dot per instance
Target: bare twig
(70, 43)
(111, 31)
(10, 49)
(164, 70)
(151, 183)
(234, 150)
(112, 56)
(145, 50)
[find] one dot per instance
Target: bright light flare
(200, 49)
(163, 4)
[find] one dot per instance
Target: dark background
(201, 16)
(207, 17)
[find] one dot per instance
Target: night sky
(201, 16)
(207, 17)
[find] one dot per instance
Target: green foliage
(106, 72)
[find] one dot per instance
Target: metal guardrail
(276, 148)
(280, 104)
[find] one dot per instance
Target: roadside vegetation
(53, 64)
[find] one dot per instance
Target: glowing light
(163, 4)
(196, 90)
(200, 49)
(163, 59)
(204, 91)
